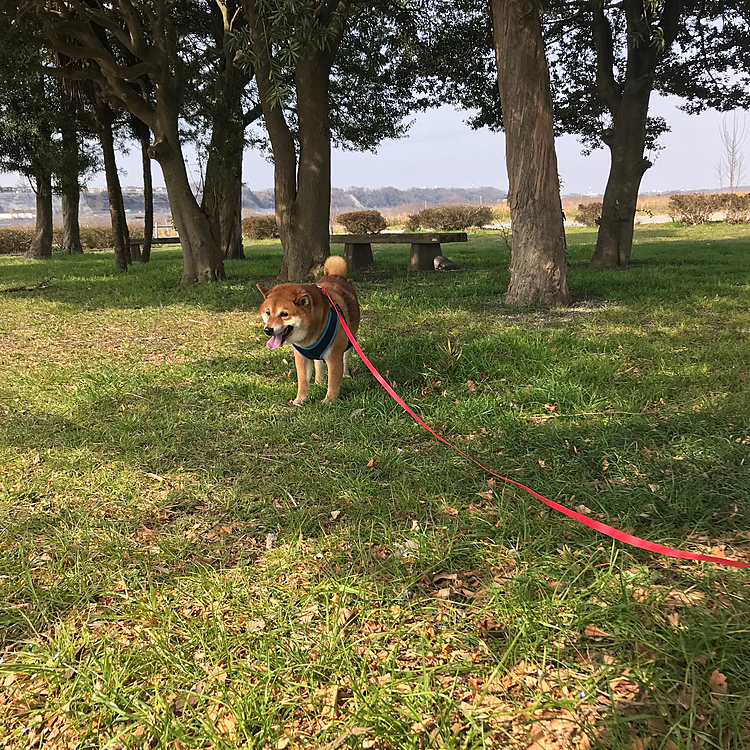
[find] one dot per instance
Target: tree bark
(538, 265)
(144, 137)
(70, 191)
(627, 101)
(304, 222)
(222, 191)
(626, 142)
(120, 234)
(302, 186)
(41, 244)
(201, 254)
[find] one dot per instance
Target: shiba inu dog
(301, 315)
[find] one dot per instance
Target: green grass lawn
(187, 562)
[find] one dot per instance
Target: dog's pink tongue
(274, 342)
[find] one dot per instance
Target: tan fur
(305, 308)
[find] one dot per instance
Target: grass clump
(187, 562)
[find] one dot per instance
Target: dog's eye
(268, 312)
(283, 315)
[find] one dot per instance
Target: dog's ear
(263, 290)
(303, 300)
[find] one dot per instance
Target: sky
(440, 150)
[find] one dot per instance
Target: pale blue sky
(441, 151)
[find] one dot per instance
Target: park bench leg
(422, 256)
(358, 255)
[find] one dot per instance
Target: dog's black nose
(268, 331)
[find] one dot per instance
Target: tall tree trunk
(120, 234)
(303, 205)
(538, 265)
(627, 100)
(71, 229)
(70, 191)
(222, 191)
(41, 244)
(626, 142)
(302, 189)
(201, 254)
(144, 137)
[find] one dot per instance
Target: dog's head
(286, 311)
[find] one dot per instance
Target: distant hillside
(13, 199)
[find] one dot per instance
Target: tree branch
(609, 89)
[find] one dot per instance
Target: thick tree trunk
(41, 244)
(70, 191)
(302, 188)
(201, 254)
(303, 197)
(120, 234)
(626, 95)
(71, 229)
(222, 192)
(538, 265)
(626, 142)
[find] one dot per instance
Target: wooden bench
(155, 241)
(424, 247)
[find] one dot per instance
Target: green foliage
(589, 213)
(451, 217)
(260, 227)
(362, 222)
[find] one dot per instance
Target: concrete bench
(424, 247)
(156, 241)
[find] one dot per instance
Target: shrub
(260, 227)
(362, 222)
(693, 208)
(15, 240)
(589, 214)
(451, 217)
(737, 208)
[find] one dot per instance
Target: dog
(301, 315)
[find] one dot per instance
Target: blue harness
(320, 347)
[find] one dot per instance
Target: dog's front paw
(298, 402)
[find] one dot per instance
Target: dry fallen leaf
(718, 682)
(592, 631)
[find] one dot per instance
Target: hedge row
(16, 240)
(260, 228)
(697, 208)
(450, 217)
(362, 222)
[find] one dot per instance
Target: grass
(186, 562)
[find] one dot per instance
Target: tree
(327, 71)
(538, 266)
(30, 109)
(223, 108)
(605, 58)
(731, 165)
(696, 49)
(138, 65)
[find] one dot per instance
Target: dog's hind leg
(347, 354)
(318, 370)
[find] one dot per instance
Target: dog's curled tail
(335, 265)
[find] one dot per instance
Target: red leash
(634, 541)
